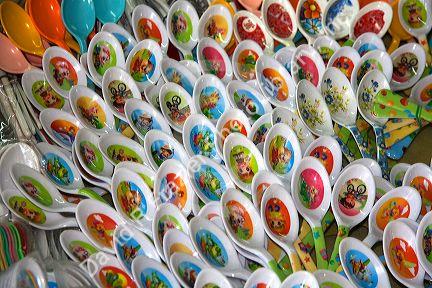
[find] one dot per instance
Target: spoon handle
(334, 259)
(295, 261)
(361, 143)
(381, 156)
(271, 263)
(320, 247)
(306, 259)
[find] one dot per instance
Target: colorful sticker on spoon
(147, 29)
(27, 210)
(363, 49)
(188, 272)
(101, 228)
(63, 73)
(352, 197)
(81, 250)
(311, 189)
(129, 250)
(426, 94)
(120, 153)
(373, 21)
(217, 28)
(143, 65)
(368, 65)
(277, 217)
(119, 93)
(175, 76)
(210, 182)
(279, 20)
(165, 223)
(214, 62)
(243, 163)
(427, 242)
(361, 268)
(310, 17)
(261, 133)
(325, 156)
(179, 109)
(233, 126)
(246, 62)
(144, 121)
(180, 248)
(274, 84)
(345, 65)
(173, 190)
(392, 209)
(92, 112)
(405, 66)
(181, 26)
(307, 70)
(104, 57)
(249, 104)
(153, 278)
(403, 258)
(64, 131)
(46, 96)
(212, 248)
(239, 220)
(111, 276)
(248, 29)
(211, 102)
(132, 200)
(57, 169)
(424, 187)
(414, 13)
(202, 141)
(281, 155)
(35, 190)
(161, 151)
(93, 158)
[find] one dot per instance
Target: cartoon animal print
(189, 275)
(55, 168)
(208, 181)
(91, 114)
(142, 65)
(144, 123)
(247, 104)
(280, 154)
(214, 31)
(360, 270)
(237, 221)
(204, 141)
(80, 253)
(352, 195)
(243, 166)
(276, 219)
(398, 253)
(209, 102)
(88, 153)
(119, 96)
(30, 189)
(101, 56)
(176, 114)
(165, 152)
(62, 74)
(211, 249)
(405, 66)
(131, 199)
(394, 211)
(179, 23)
(48, 95)
(414, 15)
(164, 226)
(121, 156)
(27, 212)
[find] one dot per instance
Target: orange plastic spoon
(46, 17)
(396, 30)
(20, 29)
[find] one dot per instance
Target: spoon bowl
(147, 270)
(117, 148)
(176, 241)
(213, 59)
(209, 277)
(279, 18)
(76, 245)
(368, 42)
(244, 60)
(216, 22)
(12, 59)
(263, 276)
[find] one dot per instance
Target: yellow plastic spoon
(20, 29)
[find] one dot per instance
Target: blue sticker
(161, 151)
(249, 104)
(153, 278)
(129, 249)
(144, 121)
(211, 247)
(361, 268)
(132, 200)
(124, 42)
(188, 272)
(211, 103)
(173, 75)
(363, 49)
(202, 141)
(57, 169)
(210, 182)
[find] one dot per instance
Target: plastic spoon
(374, 17)
(117, 148)
(30, 213)
(307, 64)
(19, 27)
(182, 26)
(300, 279)
(371, 83)
(345, 59)
(210, 277)
(81, 24)
(144, 270)
(415, 17)
(368, 42)
(177, 241)
(243, 225)
(279, 18)
(39, 190)
(422, 243)
(12, 59)
(401, 202)
(263, 277)
(281, 221)
(126, 40)
(216, 22)
(46, 16)
(337, 17)
(353, 254)
(185, 268)
(352, 200)
(396, 29)
(109, 11)
(76, 245)
(315, 114)
(402, 260)
(342, 103)
(419, 176)
(311, 192)
(309, 17)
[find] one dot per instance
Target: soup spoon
(352, 200)
(148, 271)
(76, 245)
(32, 214)
(12, 60)
(368, 42)
(309, 17)
(422, 243)
(311, 192)
(280, 20)
(281, 221)
(318, 118)
(117, 148)
(210, 277)
(307, 63)
(375, 17)
(39, 190)
(419, 176)
(186, 268)
(216, 22)
(261, 181)
(345, 59)
(342, 103)
(371, 83)
(177, 241)
(243, 225)
(361, 265)
(337, 17)
(399, 252)
(401, 202)
(300, 279)
(182, 26)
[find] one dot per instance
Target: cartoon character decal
(173, 190)
(132, 200)
(232, 126)
(27, 210)
(210, 182)
(403, 258)
(202, 141)
(143, 65)
(213, 61)
(178, 108)
(211, 103)
(64, 131)
(277, 217)
(104, 57)
(63, 73)
(274, 84)
(261, 133)
(361, 268)
(392, 209)
(57, 169)
(35, 190)
(82, 250)
(181, 26)
(129, 249)
(147, 29)
(249, 104)
(281, 155)
(212, 248)
(311, 189)
(111, 276)
(405, 66)
(92, 112)
(161, 151)
(345, 65)
(165, 223)
(46, 96)
(216, 28)
(243, 163)
(120, 153)
(424, 187)
(188, 272)
(144, 121)
(119, 93)
(352, 197)
(101, 228)
(246, 62)
(92, 156)
(414, 13)
(239, 220)
(307, 69)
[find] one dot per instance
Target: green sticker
(35, 190)
(120, 153)
(181, 26)
(414, 13)
(27, 210)
(82, 250)
(46, 96)
(243, 163)
(104, 57)
(330, 285)
(149, 181)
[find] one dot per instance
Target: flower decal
(310, 17)
(335, 97)
(311, 112)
